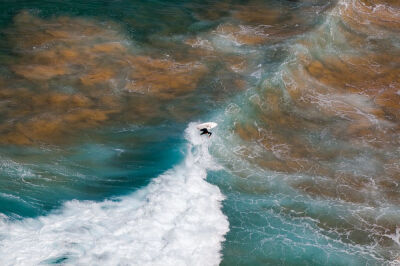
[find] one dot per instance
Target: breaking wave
(175, 220)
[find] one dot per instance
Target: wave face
(175, 220)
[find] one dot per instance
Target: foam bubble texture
(175, 220)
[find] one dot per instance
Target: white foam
(175, 220)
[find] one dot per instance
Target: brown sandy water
(70, 74)
(67, 74)
(330, 119)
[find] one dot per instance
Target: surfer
(205, 131)
(205, 127)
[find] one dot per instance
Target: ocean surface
(101, 162)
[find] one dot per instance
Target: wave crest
(175, 220)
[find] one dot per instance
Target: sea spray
(175, 220)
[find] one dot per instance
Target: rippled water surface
(100, 161)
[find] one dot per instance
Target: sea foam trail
(175, 220)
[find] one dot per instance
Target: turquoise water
(101, 162)
(37, 180)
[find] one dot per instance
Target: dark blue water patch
(34, 181)
(142, 18)
(60, 260)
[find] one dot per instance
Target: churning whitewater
(175, 220)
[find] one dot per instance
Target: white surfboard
(208, 125)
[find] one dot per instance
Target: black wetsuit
(205, 131)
